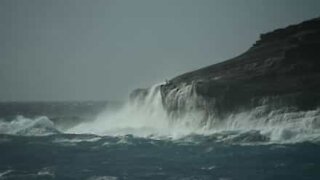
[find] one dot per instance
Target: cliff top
(274, 53)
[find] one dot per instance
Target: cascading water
(145, 116)
(139, 117)
(145, 140)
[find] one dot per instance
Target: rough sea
(102, 141)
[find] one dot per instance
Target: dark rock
(283, 65)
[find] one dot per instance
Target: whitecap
(39, 126)
(103, 178)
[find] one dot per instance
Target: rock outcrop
(282, 69)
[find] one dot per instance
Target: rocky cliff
(281, 69)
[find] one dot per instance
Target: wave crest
(145, 116)
(39, 126)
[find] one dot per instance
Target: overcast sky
(101, 50)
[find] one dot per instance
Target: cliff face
(282, 67)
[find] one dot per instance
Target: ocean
(135, 140)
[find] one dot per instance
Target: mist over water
(65, 64)
(142, 140)
(146, 117)
(139, 117)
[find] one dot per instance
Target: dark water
(92, 157)
(31, 148)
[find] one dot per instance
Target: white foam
(2, 174)
(136, 117)
(28, 127)
(280, 125)
(75, 140)
(146, 117)
(46, 172)
(103, 178)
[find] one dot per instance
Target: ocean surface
(103, 141)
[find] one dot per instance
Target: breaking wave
(139, 117)
(28, 127)
(145, 116)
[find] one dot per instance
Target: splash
(282, 125)
(145, 116)
(28, 127)
(139, 116)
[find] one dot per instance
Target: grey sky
(101, 50)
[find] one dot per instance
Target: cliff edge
(282, 69)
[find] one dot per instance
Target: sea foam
(146, 117)
(28, 127)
